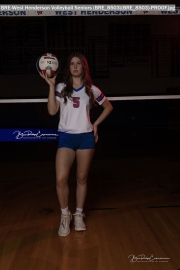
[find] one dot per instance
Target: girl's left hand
(96, 133)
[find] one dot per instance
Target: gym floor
(132, 219)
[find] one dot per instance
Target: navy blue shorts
(77, 141)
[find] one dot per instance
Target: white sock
(65, 211)
(79, 209)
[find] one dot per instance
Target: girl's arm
(53, 104)
(107, 110)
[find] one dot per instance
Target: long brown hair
(86, 78)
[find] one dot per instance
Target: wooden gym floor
(133, 223)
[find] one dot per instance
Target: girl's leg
(64, 160)
(84, 158)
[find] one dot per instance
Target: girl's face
(76, 67)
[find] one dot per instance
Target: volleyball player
(77, 135)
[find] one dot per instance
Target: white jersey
(74, 115)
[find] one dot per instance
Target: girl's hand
(96, 133)
(50, 81)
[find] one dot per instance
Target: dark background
(128, 55)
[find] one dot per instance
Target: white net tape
(43, 100)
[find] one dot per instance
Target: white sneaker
(64, 228)
(78, 221)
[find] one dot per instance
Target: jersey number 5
(76, 102)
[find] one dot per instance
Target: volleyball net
(27, 120)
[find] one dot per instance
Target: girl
(77, 136)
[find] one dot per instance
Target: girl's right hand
(50, 81)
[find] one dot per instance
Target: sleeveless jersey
(74, 115)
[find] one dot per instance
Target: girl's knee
(81, 180)
(61, 182)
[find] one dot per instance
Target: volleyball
(48, 63)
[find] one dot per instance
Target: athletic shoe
(78, 221)
(64, 228)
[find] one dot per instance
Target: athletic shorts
(77, 141)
